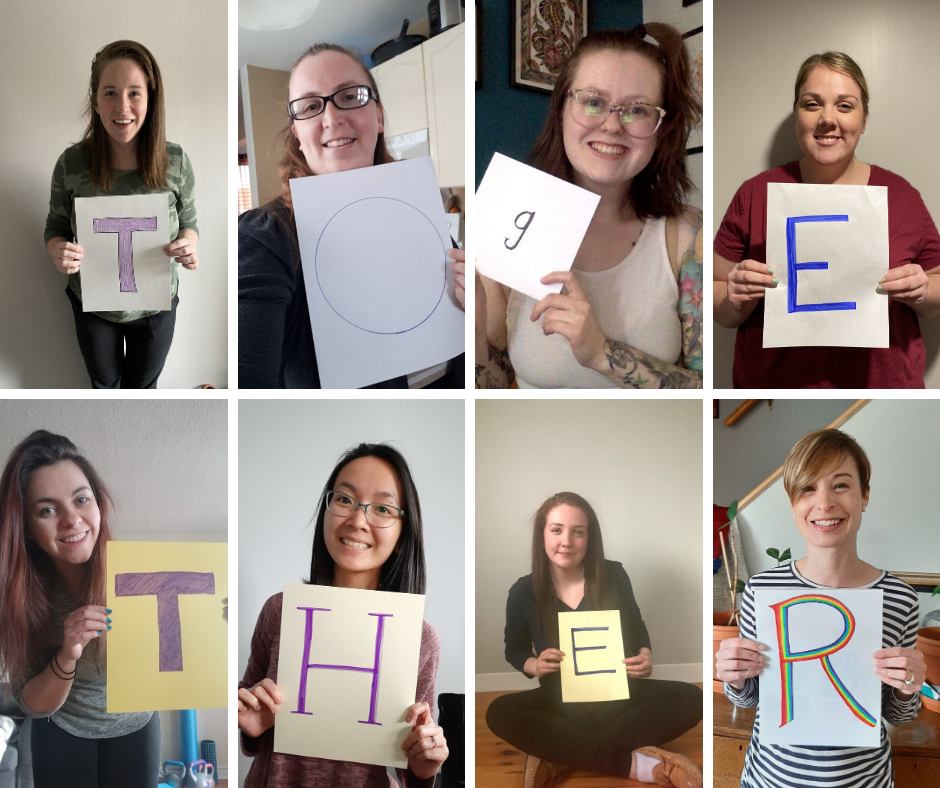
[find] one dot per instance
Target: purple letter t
(125, 228)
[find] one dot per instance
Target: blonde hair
(837, 61)
(819, 452)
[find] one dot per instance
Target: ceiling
(358, 24)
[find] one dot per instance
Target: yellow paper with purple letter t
(167, 649)
(347, 670)
(593, 668)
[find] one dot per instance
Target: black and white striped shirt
(779, 766)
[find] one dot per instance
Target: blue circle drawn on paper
(332, 306)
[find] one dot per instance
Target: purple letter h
(125, 228)
(307, 665)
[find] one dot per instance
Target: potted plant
(928, 643)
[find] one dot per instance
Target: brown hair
(27, 640)
(593, 559)
(819, 452)
(293, 164)
(837, 61)
(660, 188)
(151, 139)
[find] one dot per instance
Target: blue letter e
(793, 267)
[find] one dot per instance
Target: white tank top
(635, 302)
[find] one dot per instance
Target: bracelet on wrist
(59, 672)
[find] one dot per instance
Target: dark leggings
(61, 760)
(598, 737)
(124, 355)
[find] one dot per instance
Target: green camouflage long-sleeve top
(71, 178)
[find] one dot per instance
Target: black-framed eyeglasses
(351, 97)
(381, 515)
(638, 118)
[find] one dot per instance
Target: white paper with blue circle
(374, 243)
(828, 246)
(530, 224)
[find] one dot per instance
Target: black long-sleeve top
(525, 637)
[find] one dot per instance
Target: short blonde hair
(837, 61)
(819, 452)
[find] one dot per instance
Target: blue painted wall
(509, 119)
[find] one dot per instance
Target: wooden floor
(499, 765)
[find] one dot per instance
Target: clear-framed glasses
(639, 118)
(351, 97)
(381, 515)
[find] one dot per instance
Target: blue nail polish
(108, 627)
(107, 620)
(99, 631)
(108, 610)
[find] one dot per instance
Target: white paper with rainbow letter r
(820, 686)
(828, 247)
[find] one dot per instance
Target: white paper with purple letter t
(347, 670)
(124, 268)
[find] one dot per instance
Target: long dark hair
(659, 190)
(404, 570)
(26, 636)
(293, 164)
(593, 559)
(151, 139)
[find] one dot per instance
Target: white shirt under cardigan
(635, 302)
(779, 766)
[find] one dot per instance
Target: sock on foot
(641, 769)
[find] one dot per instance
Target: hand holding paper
(748, 281)
(570, 314)
(907, 284)
(640, 666)
(258, 706)
(425, 747)
(66, 256)
(897, 666)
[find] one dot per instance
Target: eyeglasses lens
(640, 120)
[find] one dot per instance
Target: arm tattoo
(497, 373)
(631, 368)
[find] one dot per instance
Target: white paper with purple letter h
(347, 670)
(124, 268)
(828, 247)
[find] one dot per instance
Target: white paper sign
(347, 670)
(374, 243)
(124, 267)
(820, 687)
(530, 225)
(828, 246)
(593, 668)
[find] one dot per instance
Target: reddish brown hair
(593, 559)
(293, 164)
(660, 189)
(151, 139)
(27, 640)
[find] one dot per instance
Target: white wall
(639, 464)
(287, 450)
(758, 50)
(166, 464)
(45, 63)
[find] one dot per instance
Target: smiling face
(121, 101)
(829, 117)
(336, 139)
(566, 536)
(828, 510)
(62, 514)
(359, 549)
(607, 156)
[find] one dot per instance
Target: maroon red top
(274, 769)
(912, 238)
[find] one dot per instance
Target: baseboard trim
(503, 682)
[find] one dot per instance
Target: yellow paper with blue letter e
(828, 248)
(593, 668)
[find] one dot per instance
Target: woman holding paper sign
(826, 476)
(630, 312)
(375, 545)
(830, 110)
(569, 572)
(336, 124)
(54, 523)
(123, 152)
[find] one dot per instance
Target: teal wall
(509, 119)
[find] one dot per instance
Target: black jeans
(61, 760)
(124, 355)
(598, 737)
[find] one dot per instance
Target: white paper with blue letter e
(828, 247)
(374, 243)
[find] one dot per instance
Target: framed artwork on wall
(544, 36)
(693, 43)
